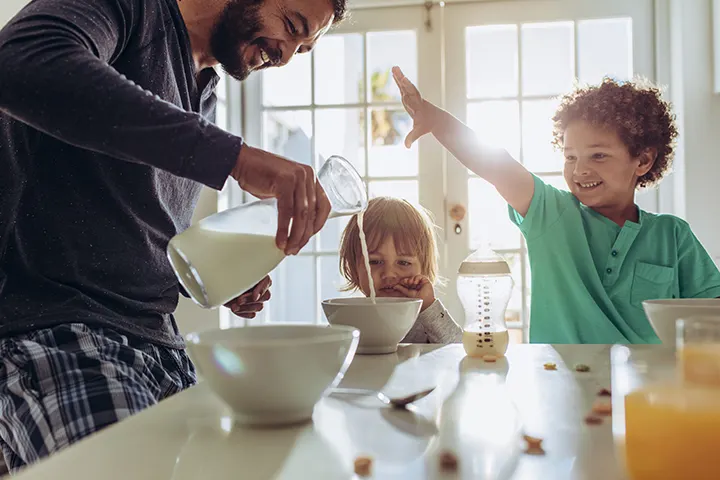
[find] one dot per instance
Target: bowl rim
(684, 302)
(340, 333)
(382, 300)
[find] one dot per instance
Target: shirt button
(614, 253)
(609, 270)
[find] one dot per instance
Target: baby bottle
(484, 286)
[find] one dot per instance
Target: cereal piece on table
(363, 466)
(581, 367)
(601, 407)
(448, 462)
(489, 358)
(550, 366)
(534, 445)
(534, 450)
(532, 440)
(604, 392)
(593, 420)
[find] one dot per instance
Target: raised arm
(497, 166)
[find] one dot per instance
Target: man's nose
(288, 50)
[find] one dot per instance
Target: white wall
(699, 110)
(8, 8)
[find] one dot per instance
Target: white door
(505, 63)
(341, 100)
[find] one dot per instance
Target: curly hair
(635, 110)
(340, 11)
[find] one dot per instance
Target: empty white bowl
(663, 314)
(382, 325)
(273, 374)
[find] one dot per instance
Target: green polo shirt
(590, 276)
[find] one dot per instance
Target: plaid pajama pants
(61, 384)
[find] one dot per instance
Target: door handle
(457, 214)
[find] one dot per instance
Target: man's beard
(238, 25)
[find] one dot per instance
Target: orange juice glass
(663, 428)
(698, 348)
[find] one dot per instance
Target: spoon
(398, 402)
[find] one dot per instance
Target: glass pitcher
(227, 253)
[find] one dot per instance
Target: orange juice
(700, 363)
(672, 431)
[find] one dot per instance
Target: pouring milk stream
(228, 253)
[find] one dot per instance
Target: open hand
(251, 302)
(418, 286)
(420, 110)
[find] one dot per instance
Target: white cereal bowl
(382, 325)
(273, 374)
(663, 314)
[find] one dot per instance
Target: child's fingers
(404, 290)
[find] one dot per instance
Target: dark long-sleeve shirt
(105, 142)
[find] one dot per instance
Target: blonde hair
(411, 228)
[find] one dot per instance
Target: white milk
(227, 263)
(366, 256)
(478, 342)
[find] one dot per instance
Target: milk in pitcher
(228, 263)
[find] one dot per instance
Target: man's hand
(301, 200)
(418, 286)
(251, 302)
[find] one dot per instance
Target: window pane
(289, 133)
(406, 189)
(385, 50)
(329, 236)
(388, 156)
(548, 62)
(288, 85)
(491, 54)
(339, 69)
(497, 123)
(605, 49)
(293, 291)
(488, 217)
(331, 281)
(538, 153)
(341, 132)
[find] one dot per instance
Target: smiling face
(251, 35)
(387, 266)
(599, 169)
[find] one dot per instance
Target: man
(105, 144)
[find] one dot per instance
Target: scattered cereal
(363, 466)
(534, 445)
(534, 450)
(593, 420)
(581, 367)
(448, 462)
(550, 366)
(489, 358)
(601, 407)
(604, 392)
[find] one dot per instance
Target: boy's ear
(646, 161)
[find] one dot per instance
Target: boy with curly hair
(594, 255)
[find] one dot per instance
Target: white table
(190, 435)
